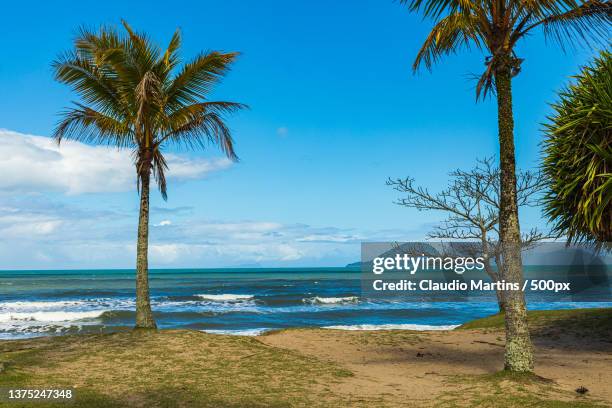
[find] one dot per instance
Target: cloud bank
(37, 164)
(38, 233)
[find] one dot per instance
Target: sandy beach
(429, 368)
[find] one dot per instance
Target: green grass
(167, 369)
(510, 390)
(594, 321)
(509, 400)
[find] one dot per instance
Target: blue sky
(335, 110)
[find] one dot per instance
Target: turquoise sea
(234, 301)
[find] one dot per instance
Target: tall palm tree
(496, 26)
(134, 95)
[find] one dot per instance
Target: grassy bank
(303, 368)
(587, 321)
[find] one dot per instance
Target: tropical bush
(578, 156)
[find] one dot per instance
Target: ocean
(231, 301)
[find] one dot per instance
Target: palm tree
(135, 96)
(496, 26)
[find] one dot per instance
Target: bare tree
(472, 204)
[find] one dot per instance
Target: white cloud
(227, 253)
(166, 253)
(328, 238)
(18, 227)
(37, 164)
(182, 168)
(38, 233)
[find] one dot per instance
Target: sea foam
(331, 300)
(244, 332)
(47, 317)
(225, 297)
(416, 327)
(39, 305)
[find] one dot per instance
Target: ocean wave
(416, 327)
(46, 317)
(225, 297)
(39, 305)
(331, 300)
(244, 332)
(24, 332)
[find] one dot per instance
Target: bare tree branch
(472, 203)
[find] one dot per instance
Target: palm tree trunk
(500, 301)
(144, 315)
(519, 350)
(494, 278)
(500, 275)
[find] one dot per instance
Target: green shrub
(578, 156)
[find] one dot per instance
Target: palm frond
(448, 36)
(197, 125)
(88, 81)
(148, 97)
(90, 126)
(499, 25)
(159, 172)
(198, 77)
(131, 97)
(171, 59)
(189, 112)
(589, 22)
(93, 46)
(143, 54)
(435, 8)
